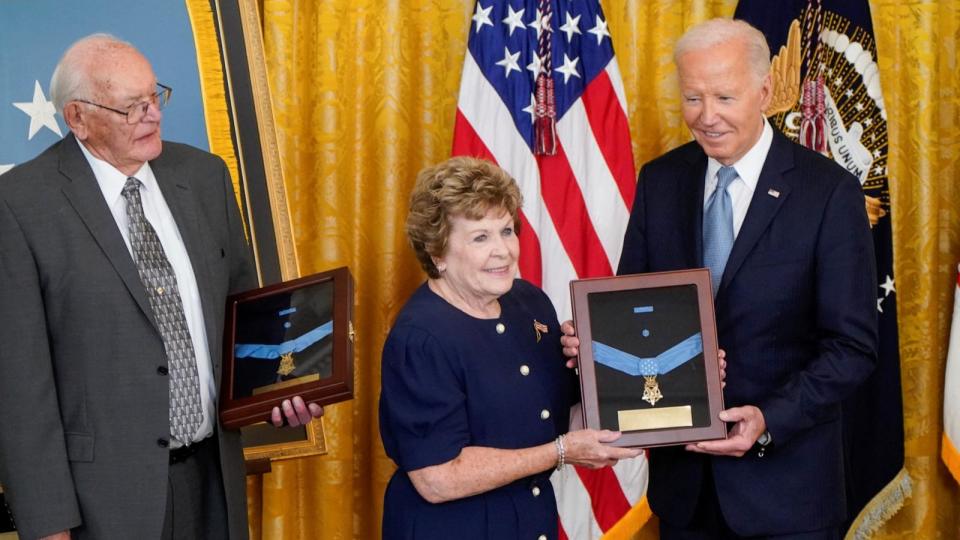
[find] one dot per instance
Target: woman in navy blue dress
(475, 391)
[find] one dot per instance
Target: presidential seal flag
(950, 450)
(541, 95)
(827, 96)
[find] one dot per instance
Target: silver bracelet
(561, 452)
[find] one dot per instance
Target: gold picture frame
(284, 443)
(228, 35)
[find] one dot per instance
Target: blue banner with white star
(35, 33)
(838, 109)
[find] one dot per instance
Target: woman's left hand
(570, 342)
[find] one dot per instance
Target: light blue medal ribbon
(649, 367)
(276, 350)
(663, 363)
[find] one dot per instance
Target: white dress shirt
(155, 209)
(748, 173)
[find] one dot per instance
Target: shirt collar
(749, 166)
(111, 180)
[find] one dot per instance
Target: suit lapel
(763, 206)
(693, 208)
(689, 185)
(181, 200)
(85, 196)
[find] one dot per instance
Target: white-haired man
(788, 244)
(117, 251)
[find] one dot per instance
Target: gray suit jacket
(83, 401)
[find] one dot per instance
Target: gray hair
(717, 31)
(71, 78)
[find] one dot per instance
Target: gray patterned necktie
(186, 412)
(718, 227)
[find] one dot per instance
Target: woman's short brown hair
(460, 186)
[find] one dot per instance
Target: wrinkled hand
(588, 448)
(722, 356)
(295, 413)
(749, 425)
(570, 342)
(62, 535)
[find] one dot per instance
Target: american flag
(541, 95)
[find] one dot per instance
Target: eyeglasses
(137, 111)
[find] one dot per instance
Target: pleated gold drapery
(364, 95)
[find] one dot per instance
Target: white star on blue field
(35, 33)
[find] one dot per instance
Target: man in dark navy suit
(788, 243)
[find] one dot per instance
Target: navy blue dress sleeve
(422, 401)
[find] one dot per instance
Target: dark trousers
(196, 507)
(708, 522)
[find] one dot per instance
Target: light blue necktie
(718, 227)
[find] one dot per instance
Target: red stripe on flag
(564, 201)
(466, 142)
(606, 497)
(531, 264)
(608, 122)
(561, 534)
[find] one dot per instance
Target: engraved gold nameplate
(665, 417)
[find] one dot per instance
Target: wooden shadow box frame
(638, 286)
(242, 410)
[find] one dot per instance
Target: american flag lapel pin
(773, 193)
(539, 328)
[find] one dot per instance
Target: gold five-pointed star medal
(286, 364)
(651, 390)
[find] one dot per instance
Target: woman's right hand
(590, 448)
(570, 343)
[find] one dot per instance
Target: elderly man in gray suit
(115, 263)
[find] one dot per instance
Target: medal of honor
(651, 390)
(286, 364)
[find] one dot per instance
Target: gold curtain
(917, 46)
(364, 96)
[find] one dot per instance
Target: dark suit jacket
(797, 316)
(83, 403)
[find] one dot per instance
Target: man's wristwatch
(763, 442)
